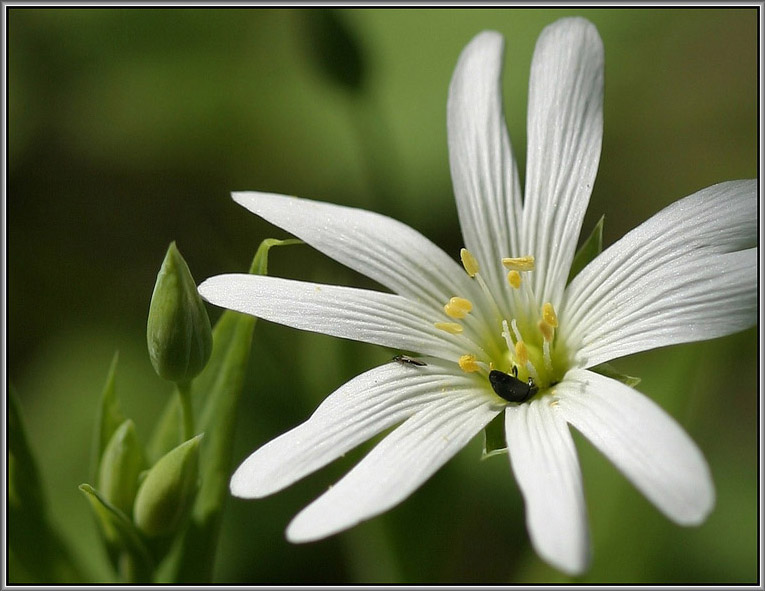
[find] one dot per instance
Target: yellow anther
(458, 307)
(450, 327)
(522, 353)
(514, 278)
(548, 332)
(549, 315)
(468, 363)
(469, 262)
(519, 263)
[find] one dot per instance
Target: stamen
(450, 327)
(468, 364)
(549, 316)
(548, 332)
(471, 267)
(519, 264)
(507, 337)
(514, 278)
(517, 332)
(469, 262)
(458, 307)
(522, 353)
(532, 371)
(546, 355)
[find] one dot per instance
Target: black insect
(409, 360)
(510, 387)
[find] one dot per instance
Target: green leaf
(591, 248)
(123, 541)
(39, 553)
(216, 393)
(108, 418)
(494, 437)
(608, 370)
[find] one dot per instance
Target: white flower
(686, 274)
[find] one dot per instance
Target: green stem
(187, 412)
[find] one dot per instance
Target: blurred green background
(127, 128)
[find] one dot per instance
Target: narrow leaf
(108, 418)
(121, 537)
(39, 553)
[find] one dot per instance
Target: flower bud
(168, 491)
(121, 463)
(178, 331)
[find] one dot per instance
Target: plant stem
(187, 412)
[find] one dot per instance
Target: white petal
(679, 277)
(545, 464)
(357, 411)
(358, 314)
(381, 248)
(643, 441)
(398, 465)
(565, 130)
(483, 170)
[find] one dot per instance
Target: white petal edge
(383, 249)
(546, 466)
(565, 131)
(396, 466)
(484, 173)
(355, 412)
(646, 444)
(678, 277)
(358, 314)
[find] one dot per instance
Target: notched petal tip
(573, 26)
(482, 54)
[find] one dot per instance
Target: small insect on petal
(406, 360)
(510, 387)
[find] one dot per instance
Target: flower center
(516, 352)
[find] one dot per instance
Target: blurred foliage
(127, 128)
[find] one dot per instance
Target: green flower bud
(121, 463)
(178, 331)
(168, 491)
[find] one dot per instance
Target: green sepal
(494, 442)
(124, 544)
(108, 418)
(39, 553)
(122, 463)
(259, 264)
(168, 490)
(216, 394)
(608, 370)
(591, 248)
(178, 330)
